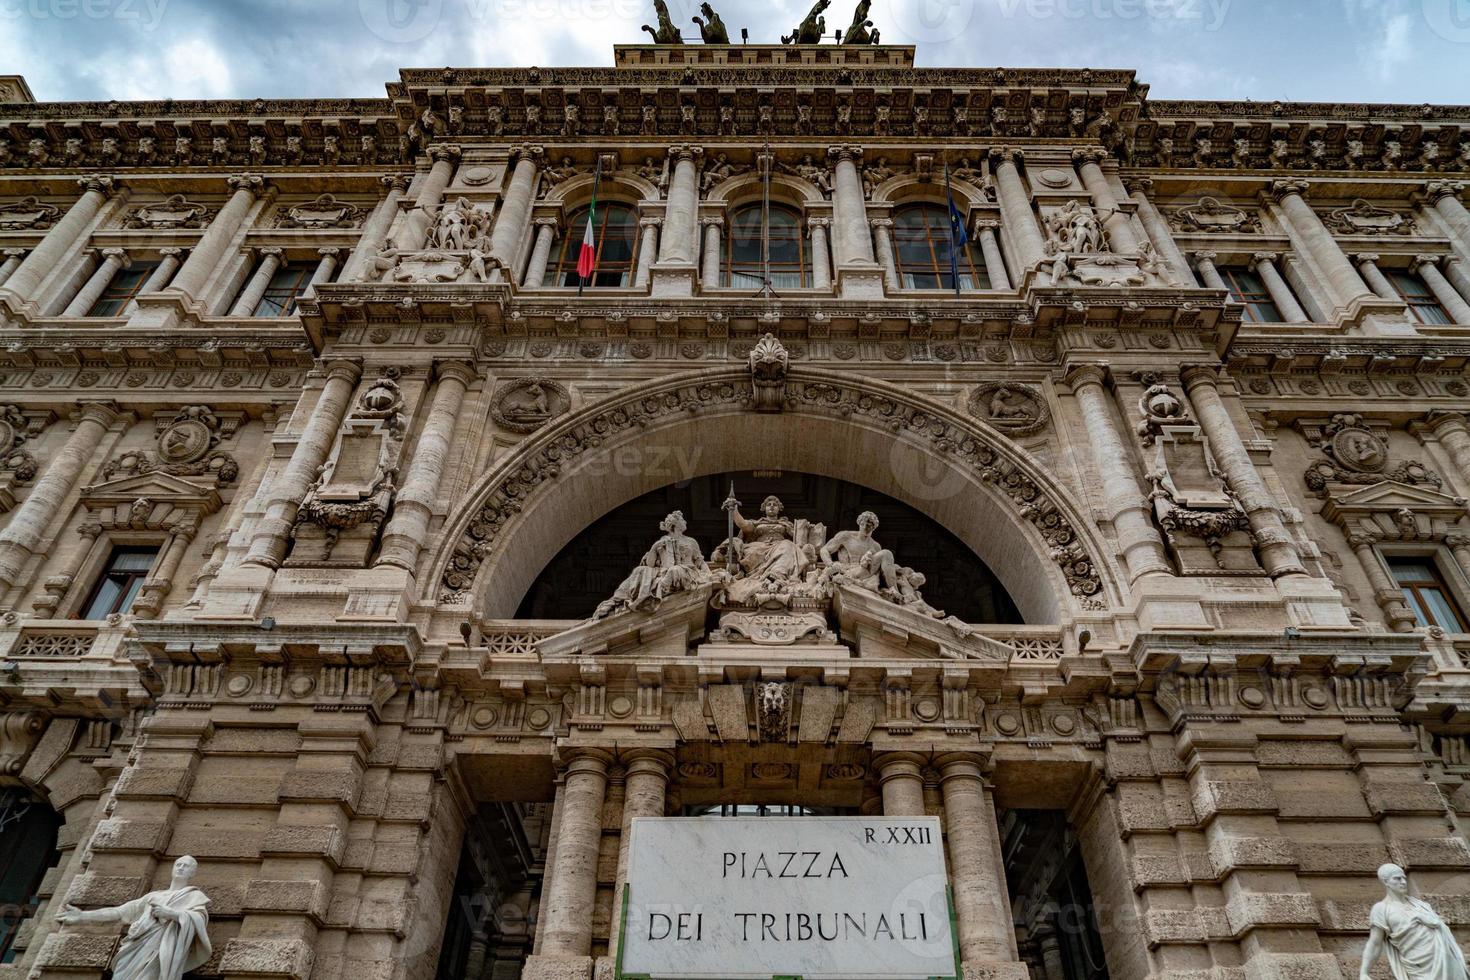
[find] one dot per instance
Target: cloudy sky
(1306, 50)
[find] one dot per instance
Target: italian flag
(587, 258)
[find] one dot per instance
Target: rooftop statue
(810, 30)
(861, 31)
(168, 930)
(1420, 946)
(667, 33)
(675, 563)
(711, 28)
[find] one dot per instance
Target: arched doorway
(589, 568)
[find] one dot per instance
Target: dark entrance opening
(1057, 929)
(28, 830)
(589, 569)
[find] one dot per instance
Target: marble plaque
(813, 897)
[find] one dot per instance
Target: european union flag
(958, 237)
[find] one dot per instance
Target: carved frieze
(176, 211)
(1365, 218)
(29, 213)
(1212, 216)
(324, 212)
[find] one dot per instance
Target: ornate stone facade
(1198, 403)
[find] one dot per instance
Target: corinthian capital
(1006, 154)
(439, 152)
(1135, 185)
(396, 182)
(685, 151)
(1089, 154)
(534, 152)
(103, 184)
(845, 151)
(1437, 190)
(1279, 190)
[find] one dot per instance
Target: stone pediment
(156, 486)
(1388, 496)
(667, 630)
(879, 628)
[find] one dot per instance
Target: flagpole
(767, 162)
(954, 246)
(591, 220)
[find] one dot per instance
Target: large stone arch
(958, 471)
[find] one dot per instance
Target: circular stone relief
(1052, 177)
(1007, 723)
(239, 685)
(302, 685)
(526, 404)
(1063, 724)
(1015, 409)
(475, 176)
(1252, 697)
(538, 718)
(484, 716)
(927, 709)
(620, 707)
(184, 441)
(1359, 450)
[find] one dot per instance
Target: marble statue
(769, 550)
(168, 930)
(1418, 943)
(856, 558)
(675, 563)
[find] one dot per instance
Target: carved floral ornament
(27, 213)
(176, 211)
(1365, 218)
(324, 212)
(819, 393)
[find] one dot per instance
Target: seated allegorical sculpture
(168, 930)
(674, 563)
(1420, 946)
(856, 558)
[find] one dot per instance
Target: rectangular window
(285, 288)
(121, 579)
(1426, 592)
(122, 289)
(1423, 304)
(1248, 289)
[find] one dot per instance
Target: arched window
(615, 237)
(922, 243)
(27, 848)
(790, 262)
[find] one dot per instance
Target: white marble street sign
(810, 897)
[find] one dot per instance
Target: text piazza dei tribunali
(456, 518)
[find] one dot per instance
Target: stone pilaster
(883, 232)
(1209, 273)
(676, 242)
(995, 266)
(12, 259)
(710, 262)
(408, 531)
(852, 239)
(1278, 553)
(169, 260)
(1127, 503)
(1443, 197)
(1374, 277)
(647, 249)
(215, 242)
(63, 236)
(1454, 304)
(273, 530)
(646, 788)
(821, 253)
(1028, 247)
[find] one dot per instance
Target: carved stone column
(12, 261)
(647, 250)
(273, 530)
(1386, 591)
(1459, 545)
(150, 597)
(1451, 429)
(1121, 236)
(1127, 503)
(676, 243)
(1050, 946)
(326, 264)
(515, 207)
(1443, 196)
(1454, 304)
(1015, 207)
(168, 263)
(975, 867)
(540, 253)
(375, 230)
(852, 239)
(571, 881)
(250, 296)
(25, 277)
(1208, 273)
(1454, 271)
(1159, 232)
(113, 260)
(995, 263)
(413, 233)
(1278, 553)
(413, 508)
(1342, 279)
(821, 253)
(1374, 277)
(709, 273)
(37, 515)
(647, 783)
(883, 232)
(1264, 263)
(206, 255)
(901, 776)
